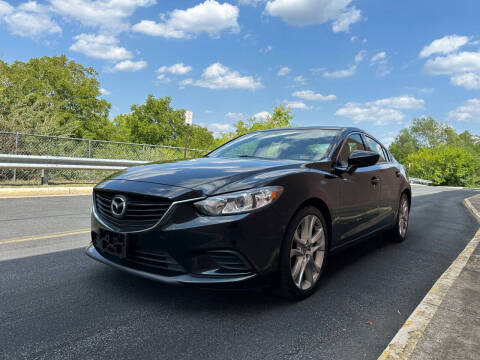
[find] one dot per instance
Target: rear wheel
(303, 255)
(399, 232)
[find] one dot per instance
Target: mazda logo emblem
(119, 205)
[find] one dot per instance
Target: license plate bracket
(113, 243)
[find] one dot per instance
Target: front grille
(158, 259)
(142, 211)
(229, 262)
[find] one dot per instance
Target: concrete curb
(402, 345)
(473, 210)
(13, 192)
(448, 187)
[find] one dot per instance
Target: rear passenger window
(374, 146)
(353, 142)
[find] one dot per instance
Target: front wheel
(399, 232)
(303, 254)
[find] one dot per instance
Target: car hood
(205, 174)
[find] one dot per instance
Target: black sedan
(266, 208)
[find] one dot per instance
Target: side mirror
(361, 158)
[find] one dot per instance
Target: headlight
(239, 202)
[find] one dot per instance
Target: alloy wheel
(307, 252)
(403, 217)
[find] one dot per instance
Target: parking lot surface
(58, 304)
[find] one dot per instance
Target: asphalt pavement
(55, 303)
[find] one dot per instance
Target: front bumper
(174, 279)
(197, 244)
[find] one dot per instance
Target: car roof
(339, 128)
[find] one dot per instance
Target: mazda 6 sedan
(263, 210)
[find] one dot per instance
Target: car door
(387, 174)
(359, 193)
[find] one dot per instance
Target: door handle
(375, 181)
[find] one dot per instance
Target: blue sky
(371, 64)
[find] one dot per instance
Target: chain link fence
(30, 144)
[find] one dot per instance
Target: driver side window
(353, 142)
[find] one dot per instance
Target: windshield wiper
(247, 156)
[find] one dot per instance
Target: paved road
(55, 303)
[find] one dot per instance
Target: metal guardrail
(12, 143)
(420, 181)
(46, 163)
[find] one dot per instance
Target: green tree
(200, 137)
(436, 152)
(54, 96)
(428, 133)
(157, 122)
(280, 118)
(403, 146)
(445, 165)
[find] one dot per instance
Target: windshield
(308, 145)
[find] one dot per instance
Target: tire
(399, 233)
(302, 261)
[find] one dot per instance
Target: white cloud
(388, 138)
(307, 12)
(284, 71)
(469, 111)
(379, 116)
(251, 2)
(239, 116)
(163, 78)
(175, 69)
(218, 76)
(347, 18)
(421, 90)
(360, 56)
(380, 57)
(5, 8)
(129, 65)
(100, 47)
(454, 63)
(463, 68)
(380, 61)
(29, 19)
(234, 115)
(380, 112)
(312, 96)
(444, 45)
(399, 102)
(109, 15)
(344, 72)
(262, 115)
(468, 80)
(296, 105)
(104, 91)
(185, 82)
(266, 49)
(341, 73)
(300, 80)
(208, 17)
(353, 38)
(218, 128)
